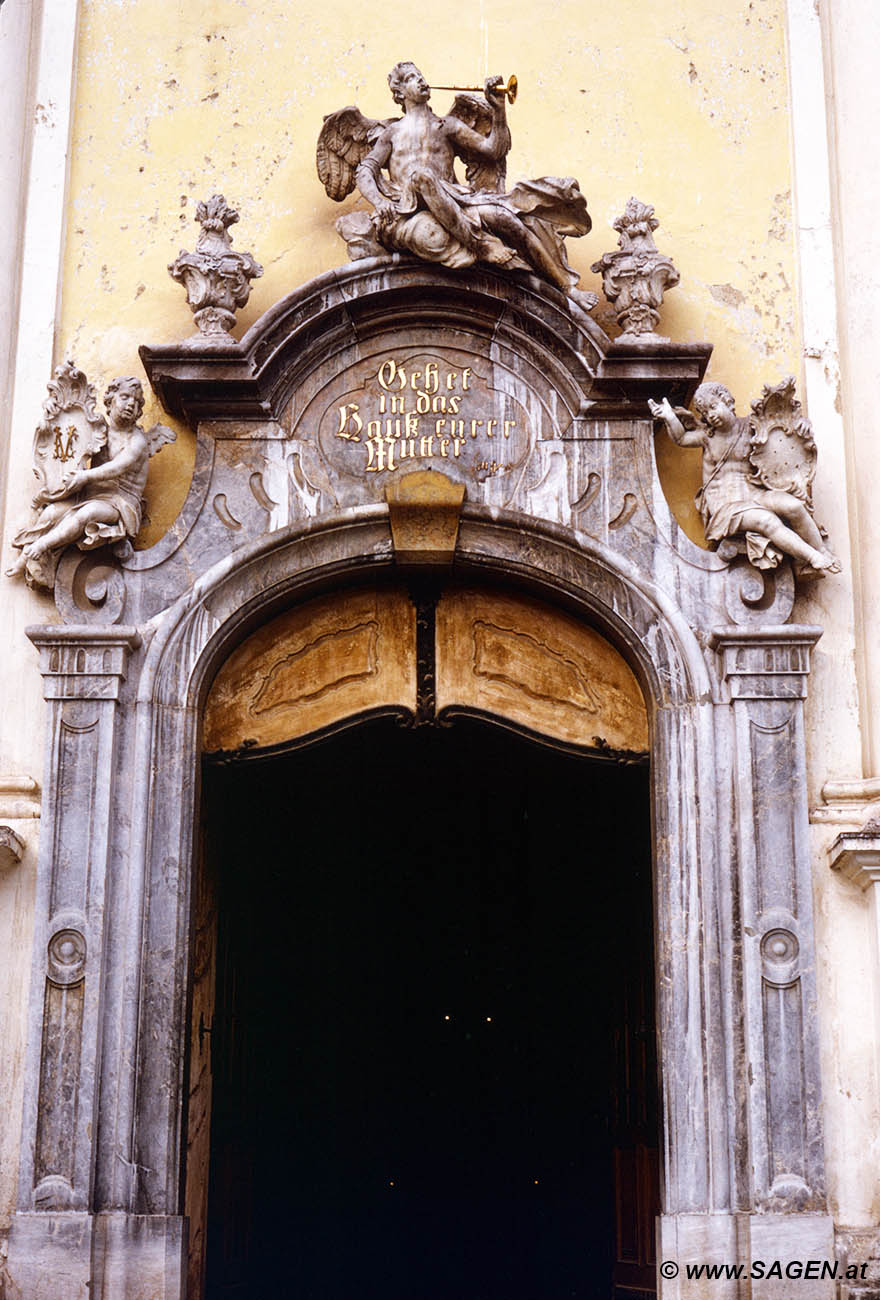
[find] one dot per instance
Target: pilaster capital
(83, 662)
(760, 663)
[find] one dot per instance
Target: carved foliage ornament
(216, 276)
(635, 276)
(92, 472)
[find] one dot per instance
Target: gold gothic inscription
(421, 409)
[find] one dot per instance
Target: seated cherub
(733, 501)
(101, 503)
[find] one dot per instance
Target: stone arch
(198, 633)
(723, 674)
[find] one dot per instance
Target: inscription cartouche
(418, 410)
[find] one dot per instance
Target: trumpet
(509, 90)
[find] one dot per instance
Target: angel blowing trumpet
(405, 167)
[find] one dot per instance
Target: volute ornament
(216, 276)
(635, 276)
(405, 168)
(92, 472)
(758, 473)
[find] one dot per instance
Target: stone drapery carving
(216, 276)
(635, 276)
(757, 475)
(93, 471)
(405, 168)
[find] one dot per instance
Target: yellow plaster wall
(683, 104)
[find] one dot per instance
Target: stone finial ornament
(635, 276)
(216, 276)
(758, 474)
(404, 167)
(93, 472)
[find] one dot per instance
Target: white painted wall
(37, 74)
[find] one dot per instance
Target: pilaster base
(774, 1255)
(76, 1256)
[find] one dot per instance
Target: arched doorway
(432, 1045)
(107, 1107)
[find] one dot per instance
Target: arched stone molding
(587, 528)
(710, 1135)
(199, 632)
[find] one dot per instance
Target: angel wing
(158, 436)
(481, 173)
(345, 140)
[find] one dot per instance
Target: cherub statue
(405, 168)
(757, 474)
(99, 499)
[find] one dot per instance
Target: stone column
(764, 674)
(51, 1241)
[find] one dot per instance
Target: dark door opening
(433, 1043)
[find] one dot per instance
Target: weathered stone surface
(757, 492)
(635, 276)
(423, 510)
(216, 276)
(287, 508)
(93, 473)
(11, 848)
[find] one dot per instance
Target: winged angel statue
(93, 471)
(405, 167)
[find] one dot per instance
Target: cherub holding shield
(757, 474)
(98, 499)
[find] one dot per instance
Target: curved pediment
(381, 303)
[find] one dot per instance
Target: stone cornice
(766, 662)
(251, 379)
(856, 855)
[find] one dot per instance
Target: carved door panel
(508, 655)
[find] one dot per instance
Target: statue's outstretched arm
(663, 411)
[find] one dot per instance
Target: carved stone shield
(783, 450)
(72, 429)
